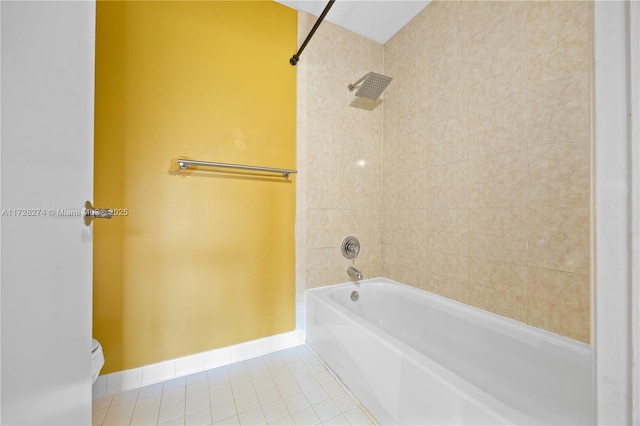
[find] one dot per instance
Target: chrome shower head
(373, 84)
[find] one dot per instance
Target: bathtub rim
(506, 414)
(571, 349)
(584, 349)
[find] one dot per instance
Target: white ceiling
(378, 20)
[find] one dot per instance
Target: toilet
(97, 359)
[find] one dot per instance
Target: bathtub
(412, 357)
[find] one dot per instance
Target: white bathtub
(412, 357)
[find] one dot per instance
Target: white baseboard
(149, 374)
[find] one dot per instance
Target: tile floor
(288, 387)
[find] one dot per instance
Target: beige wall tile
(498, 180)
(407, 189)
(498, 234)
(405, 152)
(448, 185)
(327, 228)
(448, 231)
(498, 287)
(559, 239)
(558, 38)
(322, 191)
(406, 266)
(559, 302)
(498, 220)
(498, 50)
(452, 151)
(504, 248)
(448, 275)
(498, 125)
(447, 131)
(559, 109)
(408, 228)
(559, 175)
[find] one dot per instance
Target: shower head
(373, 84)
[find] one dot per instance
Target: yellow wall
(206, 259)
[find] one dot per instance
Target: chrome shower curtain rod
(294, 59)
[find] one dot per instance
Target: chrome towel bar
(185, 164)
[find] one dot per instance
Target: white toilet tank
(97, 359)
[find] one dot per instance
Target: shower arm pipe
(353, 86)
(296, 57)
(185, 164)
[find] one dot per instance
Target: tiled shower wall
(339, 155)
(484, 192)
(487, 159)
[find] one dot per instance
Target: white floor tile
(307, 381)
(282, 375)
(196, 378)
(145, 418)
(198, 418)
(333, 388)
(176, 421)
(314, 364)
(299, 370)
(173, 395)
(252, 417)
(219, 382)
(218, 373)
(97, 416)
(357, 417)
(223, 411)
(316, 394)
(150, 390)
(230, 421)
(268, 395)
(219, 396)
(344, 402)
(247, 402)
(336, 421)
(198, 402)
(172, 410)
(242, 388)
(283, 421)
(121, 397)
(274, 410)
(305, 417)
(174, 384)
(296, 402)
(326, 409)
(118, 411)
(289, 387)
(323, 376)
(147, 403)
(262, 381)
(100, 403)
(118, 422)
(197, 388)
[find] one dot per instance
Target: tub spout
(353, 272)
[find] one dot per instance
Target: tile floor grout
(287, 387)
